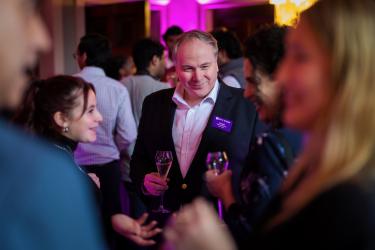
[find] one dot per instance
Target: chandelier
(287, 11)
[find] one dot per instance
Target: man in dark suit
(201, 115)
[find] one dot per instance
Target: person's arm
(142, 164)
(220, 186)
(126, 128)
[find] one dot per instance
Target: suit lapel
(169, 118)
(221, 109)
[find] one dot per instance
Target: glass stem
(162, 200)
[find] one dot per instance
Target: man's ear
(60, 119)
(82, 59)
(155, 59)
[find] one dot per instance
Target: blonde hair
(345, 143)
(198, 35)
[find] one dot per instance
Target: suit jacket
(155, 133)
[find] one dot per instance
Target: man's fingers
(155, 177)
(142, 219)
(153, 232)
(140, 241)
(149, 226)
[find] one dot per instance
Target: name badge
(222, 124)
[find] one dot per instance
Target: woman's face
(262, 91)
(304, 76)
(82, 128)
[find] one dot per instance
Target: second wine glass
(218, 161)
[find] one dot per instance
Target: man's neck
(192, 101)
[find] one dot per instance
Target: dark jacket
(155, 133)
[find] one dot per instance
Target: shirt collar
(179, 93)
(92, 70)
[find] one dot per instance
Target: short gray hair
(198, 35)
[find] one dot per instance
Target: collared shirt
(189, 124)
(117, 130)
(231, 81)
(140, 86)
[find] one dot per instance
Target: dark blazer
(155, 133)
(340, 218)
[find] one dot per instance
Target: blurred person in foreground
(327, 201)
(38, 184)
(274, 150)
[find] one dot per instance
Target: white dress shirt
(189, 124)
(117, 130)
(231, 81)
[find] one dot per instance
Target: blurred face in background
(262, 91)
(160, 66)
(23, 35)
(171, 41)
(197, 69)
(304, 76)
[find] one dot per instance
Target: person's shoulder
(350, 204)
(231, 81)
(243, 106)
(352, 195)
(238, 92)
(161, 85)
(161, 95)
(17, 147)
(33, 160)
(127, 80)
(110, 82)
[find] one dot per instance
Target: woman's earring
(66, 129)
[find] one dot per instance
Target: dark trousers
(110, 179)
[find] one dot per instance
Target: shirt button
(184, 186)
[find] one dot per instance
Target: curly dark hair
(143, 52)
(265, 48)
(229, 42)
(97, 48)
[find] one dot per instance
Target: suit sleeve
(141, 162)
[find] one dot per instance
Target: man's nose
(197, 75)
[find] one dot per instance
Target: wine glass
(163, 160)
(218, 161)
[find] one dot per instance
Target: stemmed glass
(163, 160)
(218, 161)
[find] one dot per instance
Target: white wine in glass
(163, 160)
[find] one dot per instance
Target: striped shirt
(117, 130)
